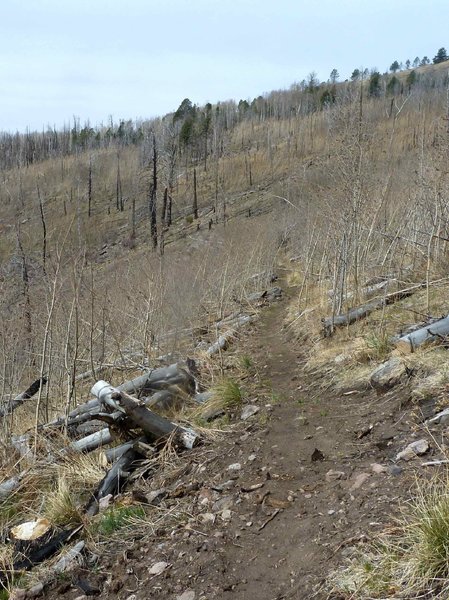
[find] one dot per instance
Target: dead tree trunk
(430, 333)
(21, 398)
(44, 229)
(114, 480)
(153, 197)
(360, 312)
(89, 189)
(150, 422)
(195, 197)
(93, 441)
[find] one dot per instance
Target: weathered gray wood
(221, 343)
(70, 558)
(21, 398)
(163, 400)
(430, 333)
(173, 377)
(360, 312)
(367, 292)
(112, 454)
(160, 379)
(93, 441)
(265, 295)
(7, 487)
(150, 422)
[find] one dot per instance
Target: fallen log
(160, 379)
(21, 398)
(360, 312)
(10, 485)
(114, 480)
(92, 441)
(112, 454)
(150, 422)
(173, 378)
(367, 292)
(439, 330)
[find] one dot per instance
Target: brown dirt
(282, 539)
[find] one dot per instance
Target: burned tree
(152, 204)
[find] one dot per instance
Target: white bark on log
(430, 333)
(162, 378)
(93, 441)
(143, 417)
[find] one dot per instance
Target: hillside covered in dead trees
(175, 290)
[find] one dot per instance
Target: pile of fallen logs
(134, 428)
(130, 418)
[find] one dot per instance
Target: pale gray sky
(141, 58)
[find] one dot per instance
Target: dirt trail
(309, 434)
(282, 539)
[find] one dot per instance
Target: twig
(270, 518)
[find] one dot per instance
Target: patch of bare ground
(272, 506)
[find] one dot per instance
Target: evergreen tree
(328, 97)
(374, 84)
(355, 75)
(411, 79)
(416, 62)
(392, 86)
(334, 76)
(441, 56)
(394, 66)
(407, 64)
(424, 61)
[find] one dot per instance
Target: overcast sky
(141, 58)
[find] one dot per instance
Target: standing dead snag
(153, 197)
(195, 197)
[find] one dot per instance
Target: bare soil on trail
(271, 508)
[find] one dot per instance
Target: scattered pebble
(187, 595)
(332, 475)
(376, 468)
(394, 470)
(359, 481)
(235, 467)
(207, 518)
(158, 568)
(249, 411)
(417, 448)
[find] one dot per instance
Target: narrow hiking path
(315, 456)
(271, 508)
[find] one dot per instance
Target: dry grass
(410, 561)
